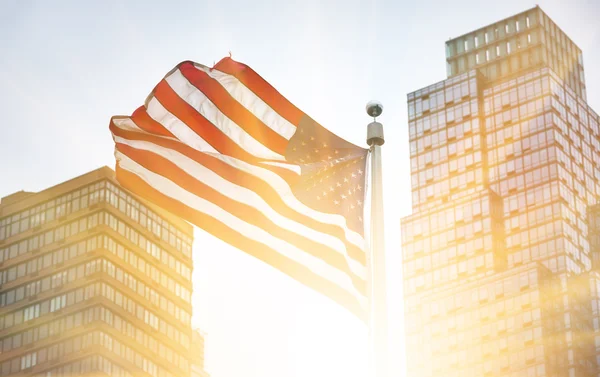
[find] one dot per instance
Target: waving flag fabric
(222, 149)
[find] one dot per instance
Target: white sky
(67, 66)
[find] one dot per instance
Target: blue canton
(333, 172)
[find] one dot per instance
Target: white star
(324, 193)
(337, 203)
(358, 187)
(353, 175)
(336, 151)
(318, 197)
(312, 138)
(303, 143)
(359, 203)
(324, 145)
(349, 192)
(344, 196)
(331, 188)
(338, 184)
(345, 179)
(351, 206)
(360, 172)
(360, 219)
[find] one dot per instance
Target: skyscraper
(93, 280)
(500, 251)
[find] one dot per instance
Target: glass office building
(93, 281)
(501, 249)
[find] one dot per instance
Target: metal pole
(378, 302)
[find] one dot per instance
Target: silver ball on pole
(375, 129)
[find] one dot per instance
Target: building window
(508, 47)
(527, 21)
(476, 41)
(486, 37)
(506, 28)
(477, 58)
(517, 26)
(497, 51)
(487, 55)
(29, 360)
(466, 45)
(528, 38)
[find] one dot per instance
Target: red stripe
(185, 149)
(199, 124)
(244, 212)
(229, 235)
(253, 183)
(237, 113)
(261, 88)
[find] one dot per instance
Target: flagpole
(378, 302)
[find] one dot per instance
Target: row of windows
(436, 96)
(436, 136)
(51, 259)
(446, 218)
(434, 280)
(529, 361)
(47, 260)
(438, 156)
(442, 171)
(85, 293)
(150, 247)
(42, 308)
(144, 290)
(82, 342)
(150, 220)
(456, 184)
(474, 41)
(79, 272)
(503, 161)
(515, 94)
(88, 365)
(99, 192)
(47, 238)
(470, 255)
(514, 115)
(499, 135)
(440, 120)
(86, 316)
(516, 182)
(155, 274)
(79, 226)
(139, 311)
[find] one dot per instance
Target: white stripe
(195, 98)
(283, 189)
(251, 101)
(179, 129)
(168, 188)
(288, 197)
(292, 167)
(248, 197)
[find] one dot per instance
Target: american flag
(221, 148)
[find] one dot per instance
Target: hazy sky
(67, 66)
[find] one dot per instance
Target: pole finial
(375, 129)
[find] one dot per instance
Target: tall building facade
(501, 251)
(93, 281)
